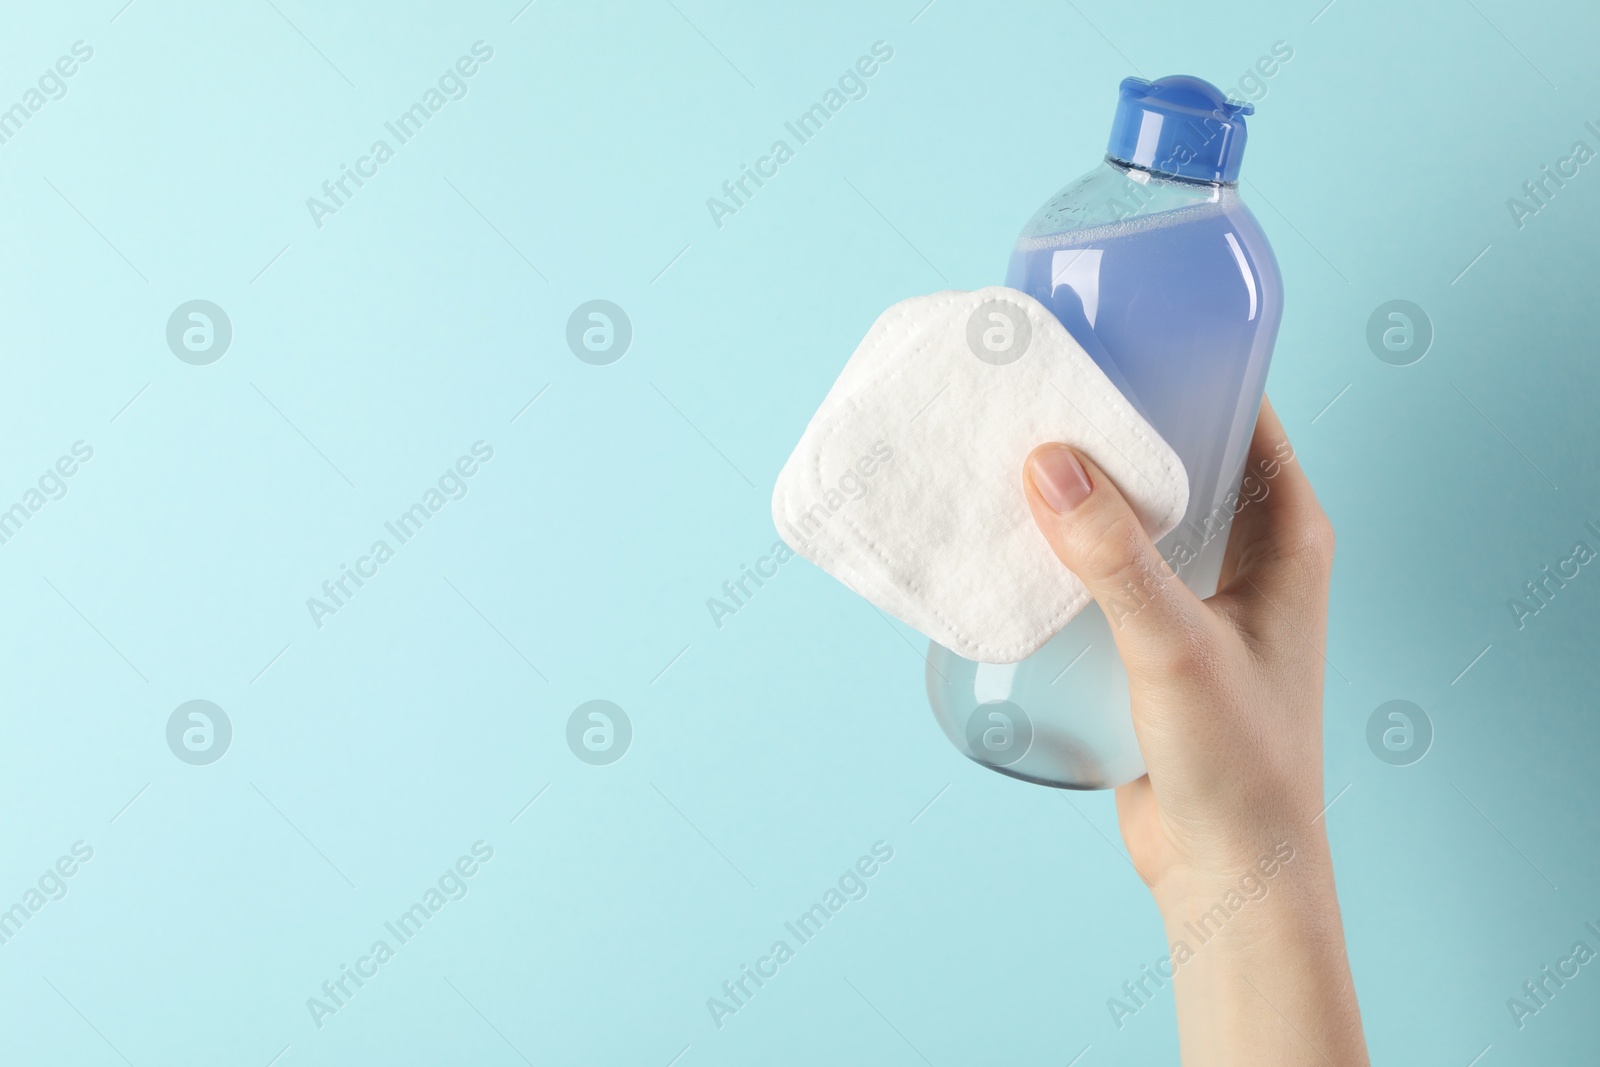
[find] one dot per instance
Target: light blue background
(770, 753)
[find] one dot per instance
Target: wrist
(1258, 962)
(1253, 885)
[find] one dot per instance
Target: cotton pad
(907, 483)
(793, 498)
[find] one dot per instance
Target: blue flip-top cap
(1179, 126)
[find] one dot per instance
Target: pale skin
(1227, 707)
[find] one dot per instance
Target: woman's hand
(1226, 827)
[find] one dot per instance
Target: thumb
(1154, 617)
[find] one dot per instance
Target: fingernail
(1060, 478)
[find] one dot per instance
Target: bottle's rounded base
(1059, 718)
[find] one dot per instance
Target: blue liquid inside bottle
(1161, 273)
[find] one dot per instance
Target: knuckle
(1305, 543)
(1183, 652)
(1113, 547)
(1313, 541)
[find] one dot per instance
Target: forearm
(1270, 984)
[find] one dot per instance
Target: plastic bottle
(1157, 268)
